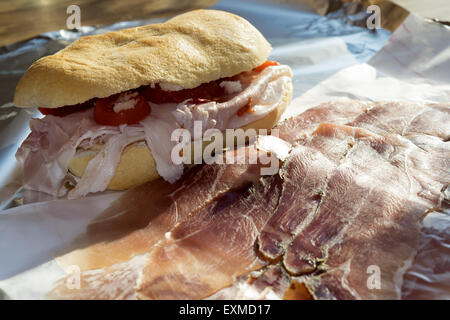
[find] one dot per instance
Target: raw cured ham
(340, 112)
(207, 252)
(134, 224)
(406, 119)
(377, 226)
(341, 219)
(116, 243)
(268, 283)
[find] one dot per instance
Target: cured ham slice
(305, 175)
(377, 225)
(114, 282)
(267, 284)
(340, 220)
(206, 253)
(299, 199)
(141, 218)
(113, 251)
(340, 112)
(406, 119)
(426, 126)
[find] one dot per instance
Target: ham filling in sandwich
(111, 102)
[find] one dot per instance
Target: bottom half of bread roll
(137, 165)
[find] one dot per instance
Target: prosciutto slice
(340, 112)
(305, 174)
(406, 119)
(271, 283)
(377, 226)
(142, 218)
(340, 220)
(207, 252)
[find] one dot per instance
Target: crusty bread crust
(137, 164)
(188, 50)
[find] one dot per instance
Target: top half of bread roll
(186, 51)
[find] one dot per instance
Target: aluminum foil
(316, 47)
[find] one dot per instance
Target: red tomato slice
(64, 111)
(266, 64)
(208, 91)
(104, 113)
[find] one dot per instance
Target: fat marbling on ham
(54, 141)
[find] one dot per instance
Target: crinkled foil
(314, 46)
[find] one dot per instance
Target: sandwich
(111, 102)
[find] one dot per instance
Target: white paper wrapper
(413, 66)
(403, 70)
